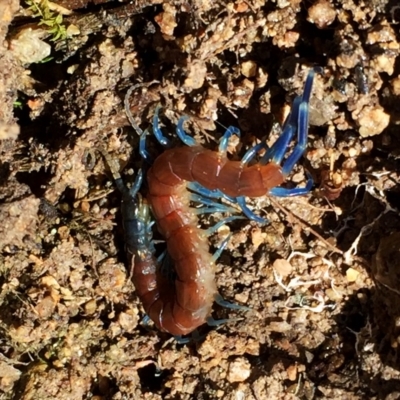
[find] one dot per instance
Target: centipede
(191, 172)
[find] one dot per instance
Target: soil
(322, 278)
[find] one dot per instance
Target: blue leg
(223, 303)
(194, 337)
(296, 120)
(302, 125)
(221, 248)
(302, 134)
(137, 184)
(146, 321)
(248, 213)
(163, 140)
(309, 82)
(196, 187)
(128, 194)
(213, 194)
(252, 152)
(198, 198)
(278, 149)
(292, 118)
(223, 144)
(142, 148)
(182, 340)
(284, 192)
(186, 139)
(210, 203)
(213, 229)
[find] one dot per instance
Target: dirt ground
(322, 279)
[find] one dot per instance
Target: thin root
(128, 112)
(367, 229)
(305, 225)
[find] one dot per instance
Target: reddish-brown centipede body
(181, 305)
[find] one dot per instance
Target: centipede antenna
(223, 144)
(284, 192)
(163, 140)
(233, 306)
(241, 201)
(213, 229)
(112, 164)
(128, 112)
(186, 139)
(253, 151)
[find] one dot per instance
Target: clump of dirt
(321, 278)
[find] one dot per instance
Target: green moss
(53, 22)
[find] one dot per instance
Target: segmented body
(180, 306)
(185, 306)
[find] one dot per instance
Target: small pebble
(46, 307)
(90, 307)
(282, 267)
(396, 85)
(352, 275)
(248, 69)
(239, 370)
(372, 121)
(167, 20)
(292, 372)
(322, 14)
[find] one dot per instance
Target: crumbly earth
(322, 278)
